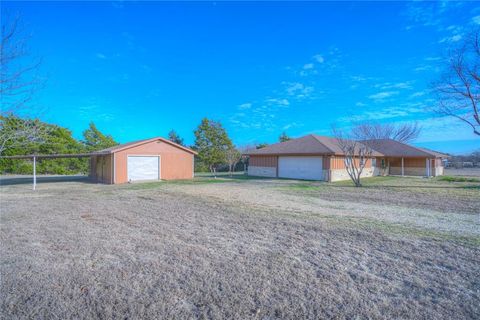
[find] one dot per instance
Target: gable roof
(393, 148)
(321, 145)
(132, 144)
(308, 145)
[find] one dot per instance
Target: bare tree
(356, 154)
(20, 132)
(458, 91)
(244, 158)
(18, 82)
(404, 132)
(18, 79)
(233, 156)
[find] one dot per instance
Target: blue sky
(139, 69)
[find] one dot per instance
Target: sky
(140, 69)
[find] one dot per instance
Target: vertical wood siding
(175, 163)
(337, 162)
(408, 162)
(263, 161)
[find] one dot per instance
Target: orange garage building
(143, 160)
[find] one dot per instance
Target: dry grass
(260, 249)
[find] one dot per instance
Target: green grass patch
(457, 179)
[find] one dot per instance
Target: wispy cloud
(308, 66)
(398, 85)
(319, 58)
(417, 94)
(454, 38)
(245, 106)
(101, 56)
(277, 102)
(476, 20)
(380, 96)
(298, 90)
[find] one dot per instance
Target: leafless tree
(20, 132)
(458, 91)
(356, 154)
(243, 150)
(404, 132)
(233, 156)
(18, 82)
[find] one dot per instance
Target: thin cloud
(298, 90)
(382, 95)
(398, 85)
(319, 58)
(101, 56)
(476, 20)
(245, 106)
(308, 66)
(278, 102)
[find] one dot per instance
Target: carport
(35, 157)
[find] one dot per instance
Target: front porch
(409, 166)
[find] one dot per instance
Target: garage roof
(321, 145)
(307, 145)
(132, 144)
(392, 148)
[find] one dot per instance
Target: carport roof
(132, 144)
(52, 156)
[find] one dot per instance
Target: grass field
(241, 248)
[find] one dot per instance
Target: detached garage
(144, 160)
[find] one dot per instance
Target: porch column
(34, 172)
(403, 170)
(428, 167)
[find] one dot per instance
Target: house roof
(132, 144)
(392, 148)
(308, 145)
(322, 145)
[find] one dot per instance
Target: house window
(383, 163)
(374, 162)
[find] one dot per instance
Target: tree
(283, 137)
(243, 157)
(18, 82)
(232, 156)
(54, 140)
(174, 137)
(261, 145)
(16, 132)
(95, 140)
(458, 90)
(404, 132)
(211, 143)
(356, 154)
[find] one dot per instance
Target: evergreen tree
(95, 140)
(211, 143)
(283, 137)
(174, 137)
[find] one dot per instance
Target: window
(374, 162)
(383, 163)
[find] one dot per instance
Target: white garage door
(307, 168)
(143, 168)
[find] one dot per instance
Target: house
(150, 159)
(314, 157)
